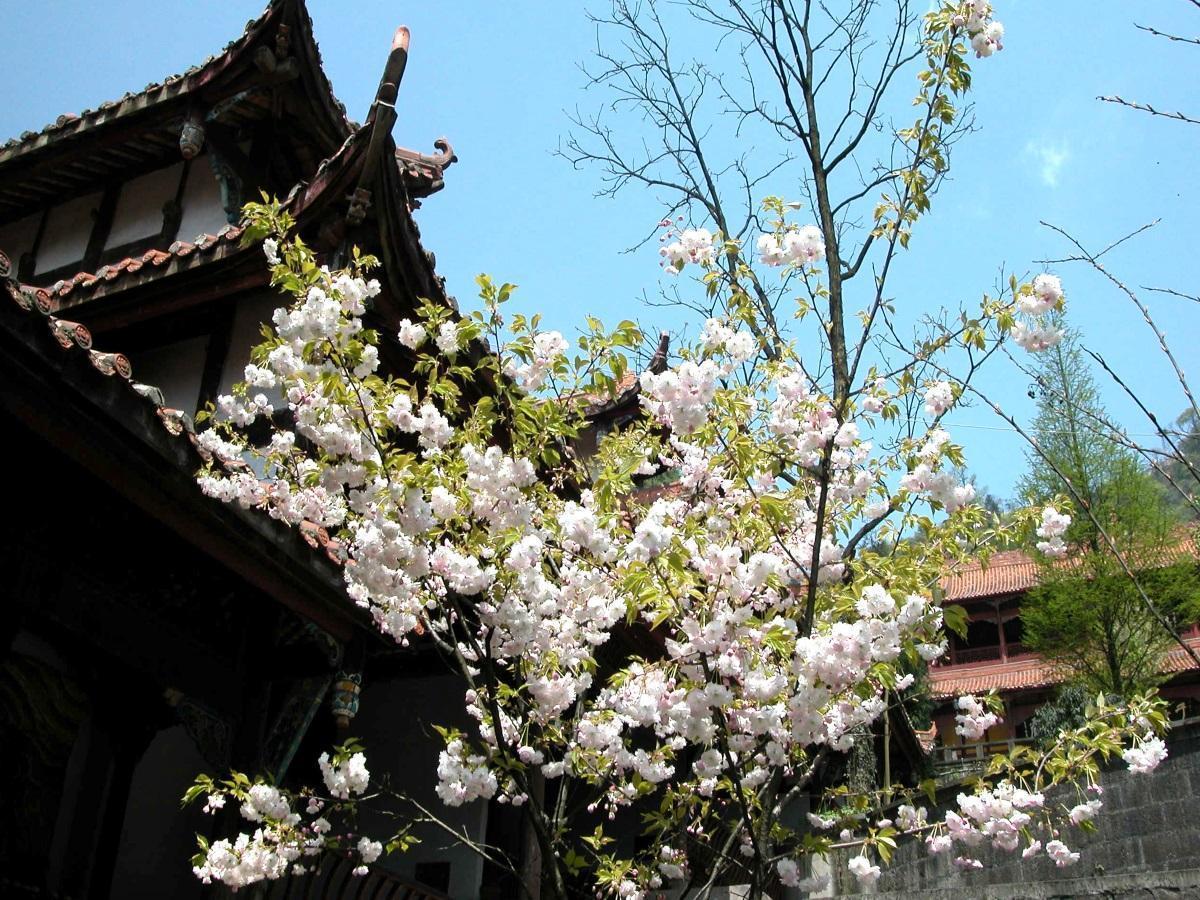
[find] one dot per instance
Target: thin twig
(1146, 107)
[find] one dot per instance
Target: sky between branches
(499, 78)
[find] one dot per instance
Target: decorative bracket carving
(191, 135)
(360, 202)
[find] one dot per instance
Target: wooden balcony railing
(976, 654)
(970, 755)
(985, 654)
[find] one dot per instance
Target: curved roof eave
(31, 145)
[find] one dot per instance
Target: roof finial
(658, 362)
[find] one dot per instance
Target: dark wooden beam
(101, 227)
(216, 354)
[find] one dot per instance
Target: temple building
(993, 657)
(152, 633)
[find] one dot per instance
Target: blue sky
(498, 78)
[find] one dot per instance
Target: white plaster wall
(67, 232)
(175, 369)
(202, 210)
(396, 718)
(248, 319)
(139, 212)
(17, 237)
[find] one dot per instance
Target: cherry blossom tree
(682, 666)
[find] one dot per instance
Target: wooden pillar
(249, 741)
(531, 851)
(95, 797)
(132, 737)
(1000, 628)
(84, 795)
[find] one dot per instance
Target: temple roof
(57, 382)
(176, 87)
(1015, 571)
(1007, 572)
(142, 130)
(178, 257)
(1025, 673)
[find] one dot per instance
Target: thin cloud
(1050, 159)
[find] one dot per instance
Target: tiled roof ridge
(1013, 571)
(226, 239)
(39, 301)
(75, 122)
(204, 244)
(1025, 673)
(74, 336)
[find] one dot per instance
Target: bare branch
(1095, 263)
(1146, 107)
(1169, 37)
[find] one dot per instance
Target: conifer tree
(1087, 616)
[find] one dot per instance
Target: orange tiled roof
(1005, 677)
(1025, 673)
(1007, 572)
(152, 262)
(1013, 571)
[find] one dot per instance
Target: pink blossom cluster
(411, 334)
(1036, 300)
(680, 397)
(346, 779)
(796, 246)
(1144, 756)
(939, 397)
(926, 477)
(1035, 338)
(941, 487)
(462, 776)
(717, 337)
(789, 876)
(282, 842)
(973, 718)
(249, 858)
(985, 32)
(864, 870)
(691, 245)
(999, 816)
(1051, 528)
(548, 349)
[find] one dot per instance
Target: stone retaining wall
(1147, 845)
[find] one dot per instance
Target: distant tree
(1177, 469)
(1067, 710)
(1096, 626)
(1087, 615)
(1075, 446)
